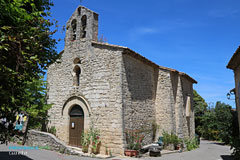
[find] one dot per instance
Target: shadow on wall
(141, 78)
(174, 81)
(13, 155)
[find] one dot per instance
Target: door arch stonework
(71, 102)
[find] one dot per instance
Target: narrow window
(74, 29)
(83, 26)
(79, 11)
(76, 76)
(188, 107)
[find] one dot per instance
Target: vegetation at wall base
(191, 144)
(170, 139)
(52, 130)
(134, 139)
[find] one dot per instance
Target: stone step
(75, 148)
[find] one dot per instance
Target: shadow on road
(218, 143)
(12, 155)
(226, 157)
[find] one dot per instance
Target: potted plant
(85, 141)
(175, 141)
(95, 140)
(134, 142)
(170, 141)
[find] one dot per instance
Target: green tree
(27, 48)
(36, 107)
(208, 128)
(200, 107)
(217, 123)
(224, 119)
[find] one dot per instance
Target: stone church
(114, 89)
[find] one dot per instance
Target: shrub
(52, 130)
(191, 143)
(134, 139)
(85, 139)
(170, 139)
(95, 138)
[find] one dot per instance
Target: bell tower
(82, 26)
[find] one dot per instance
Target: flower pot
(131, 153)
(170, 147)
(95, 150)
(178, 147)
(85, 149)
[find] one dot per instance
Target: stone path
(208, 151)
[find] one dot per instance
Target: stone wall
(188, 122)
(165, 101)
(139, 88)
(100, 87)
(44, 139)
(185, 126)
(237, 89)
(170, 103)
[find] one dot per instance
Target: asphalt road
(7, 153)
(208, 151)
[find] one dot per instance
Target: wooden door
(75, 131)
(76, 126)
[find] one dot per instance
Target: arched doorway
(76, 126)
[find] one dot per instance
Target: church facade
(113, 89)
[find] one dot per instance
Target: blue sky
(195, 37)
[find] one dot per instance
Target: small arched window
(83, 26)
(76, 75)
(77, 61)
(74, 29)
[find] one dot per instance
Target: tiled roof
(235, 60)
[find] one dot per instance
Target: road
(208, 151)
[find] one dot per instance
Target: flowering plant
(134, 139)
(85, 139)
(95, 138)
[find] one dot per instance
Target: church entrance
(76, 126)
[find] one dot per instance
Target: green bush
(191, 143)
(170, 139)
(52, 130)
(85, 139)
(134, 139)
